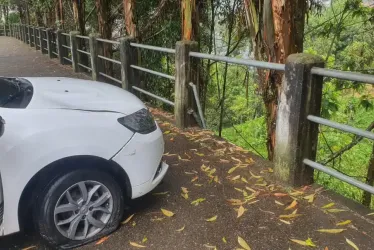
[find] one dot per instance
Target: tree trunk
(105, 30)
(278, 34)
(188, 12)
(61, 11)
(39, 17)
(370, 180)
(128, 8)
(79, 18)
(21, 13)
(57, 13)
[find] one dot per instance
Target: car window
(7, 89)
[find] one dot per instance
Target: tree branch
(154, 16)
(354, 142)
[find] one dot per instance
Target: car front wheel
(79, 207)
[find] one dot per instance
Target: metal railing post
(296, 138)
(74, 51)
(94, 56)
(128, 57)
(183, 76)
(49, 42)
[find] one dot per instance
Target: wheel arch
(55, 169)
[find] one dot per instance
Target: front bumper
(140, 159)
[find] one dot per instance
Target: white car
(71, 152)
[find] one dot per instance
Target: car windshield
(15, 92)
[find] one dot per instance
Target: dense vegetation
(238, 101)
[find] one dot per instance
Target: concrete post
(74, 51)
(94, 57)
(34, 38)
(59, 42)
(184, 67)
(296, 138)
(4, 27)
(24, 34)
(128, 57)
(49, 42)
(30, 35)
(43, 45)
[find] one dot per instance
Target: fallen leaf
(294, 212)
(134, 244)
(180, 229)
(185, 196)
(297, 193)
(133, 224)
(145, 239)
(224, 240)
(128, 219)
(331, 231)
(280, 194)
(28, 248)
(231, 170)
(255, 176)
(167, 212)
(157, 219)
(334, 210)
(244, 180)
(343, 223)
(253, 202)
(210, 246)
(184, 190)
(214, 218)
(289, 216)
(199, 154)
(102, 240)
(167, 132)
(250, 189)
(190, 173)
(285, 222)
(235, 159)
(370, 214)
(310, 198)
(351, 244)
(292, 205)
(279, 203)
(162, 193)
(195, 178)
(243, 244)
(307, 242)
(240, 211)
(197, 201)
(198, 185)
(235, 178)
(224, 161)
(328, 205)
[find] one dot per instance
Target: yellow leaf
(128, 219)
(285, 222)
(167, 212)
(216, 179)
(198, 185)
(307, 243)
(145, 239)
(235, 159)
(310, 198)
(224, 240)
(294, 212)
(199, 154)
(253, 202)
(101, 241)
(133, 224)
(292, 205)
(240, 211)
(180, 229)
(343, 223)
(184, 190)
(161, 193)
(289, 216)
(166, 132)
(28, 248)
(212, 171)
(134, 244)
(250, 189)
(235, 178)
(334, 210)
(279, 203)
(243, 244)
(197, 201)
(331, 231)
(209, 246)
(255, 176)
(270, 170)
(231, 170)
(185, 196)
(297, 193)
(328, 205)
(244, 180)
(195, 178)
(214, 218)
(351, 244)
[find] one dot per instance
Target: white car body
(71, 117)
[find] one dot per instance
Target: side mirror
(2, 126)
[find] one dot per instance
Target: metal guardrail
(65, 46)
(84, 66)
(110, 77)
(83, 37)
(110, 60)
(153, 72)
(68, 59)
(154, 96)
(107, 41)
(84, 52)
(150, 47)
(246, 62)
(344, 75)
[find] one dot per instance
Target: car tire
(101, 207)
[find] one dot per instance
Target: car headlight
(141, 122)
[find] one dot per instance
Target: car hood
(78, 94)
